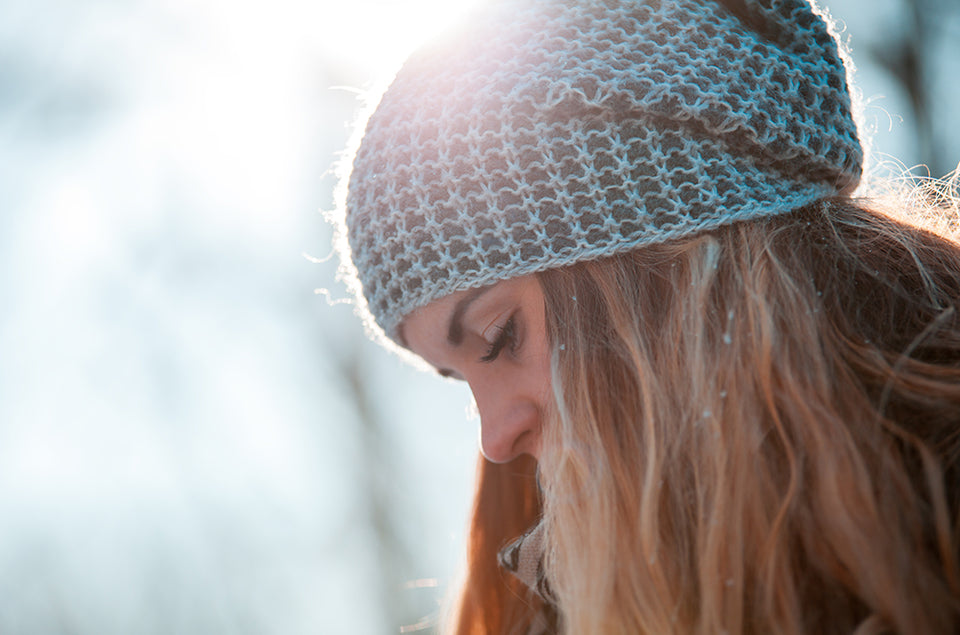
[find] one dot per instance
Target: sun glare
(380, 35)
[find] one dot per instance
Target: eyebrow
(455, 328)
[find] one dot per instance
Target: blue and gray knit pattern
(550, 132)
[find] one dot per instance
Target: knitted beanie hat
(550, 132)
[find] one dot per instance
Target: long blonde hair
(757, 430)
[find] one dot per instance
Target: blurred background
(193, 439)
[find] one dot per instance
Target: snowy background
(192, 440)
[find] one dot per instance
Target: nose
(509, 421)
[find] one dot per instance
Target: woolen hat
(549, 132)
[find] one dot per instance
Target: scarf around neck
(523, 558)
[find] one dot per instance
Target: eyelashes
(506, 338)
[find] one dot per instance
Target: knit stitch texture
(550, 132)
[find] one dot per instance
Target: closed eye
(507, 337)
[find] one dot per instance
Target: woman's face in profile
(495, 339)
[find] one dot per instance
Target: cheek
(540, 361)
(536, 378)
(540, 354)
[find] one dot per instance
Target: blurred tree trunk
(908, 54)
(376, 481)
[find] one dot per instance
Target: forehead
(435, 317)
(433, 313)
(424, 331)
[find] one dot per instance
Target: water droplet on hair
(563, 347)
(707, 413)
(723, 394)
(727, 339)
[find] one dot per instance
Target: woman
(717, 393)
